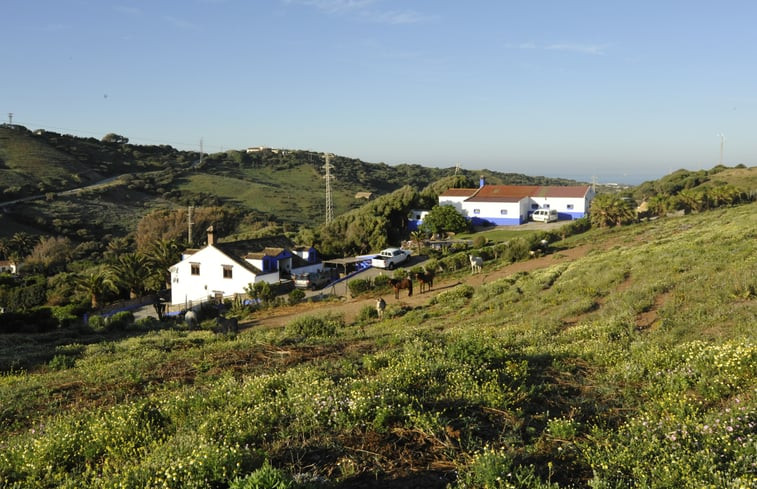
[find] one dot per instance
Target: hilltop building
(511, 205)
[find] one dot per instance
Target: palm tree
(95, 285)
(131, 272)
(160, 256)
(116, 248)
(21, 245)
(610, 210)
(692, 200)
(724, 195)
(417, 238)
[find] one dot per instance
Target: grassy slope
(289, 188)
(593, 366)
(744, 178)
(29, 159)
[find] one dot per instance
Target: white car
(390, 258)
(544, 215)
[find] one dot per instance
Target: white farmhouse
(512, 205)
(222, 270)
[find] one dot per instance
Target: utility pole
(189, 225)
(328, 177)
(200, 164)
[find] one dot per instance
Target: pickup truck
(390, 258)
(312, 280)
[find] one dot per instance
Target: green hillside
(286, 187)
(624, 358)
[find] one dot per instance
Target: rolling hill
(286, 187)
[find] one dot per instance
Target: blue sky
(620, 90)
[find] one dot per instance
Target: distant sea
(619, 178)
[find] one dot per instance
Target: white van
(544, 215)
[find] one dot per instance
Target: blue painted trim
(496, 221)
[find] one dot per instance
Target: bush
(61, 362)
(315, 326)
(380, 281)
(455, 297)
(479, 241)
(266, 477)
(296, 296)
(359, 286)
(120, 321)
(97, 324)
(367, 313)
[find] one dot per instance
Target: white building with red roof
(511, 205)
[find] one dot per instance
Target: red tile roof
(502, 193)
(557, 191)
(514, 193)
(458, 192)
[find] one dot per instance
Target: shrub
(266, 477)
(380, 281)
(359, 286)
(479, 241)
(296, 296)
(315, 326)
(454, 297)
(61, 362)
(97, 324)
(367, 313)
(120, 321)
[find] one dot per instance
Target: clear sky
(621, 90)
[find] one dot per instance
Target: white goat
(380, 306)
(476, 262)
(190, 317)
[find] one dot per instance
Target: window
(195, 268)
(503, 212)
(227, 271)
(477, 211)
(570, 206)
(534, 206)
(546, 206)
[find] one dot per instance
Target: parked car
(544, 215)
(312, 280)
(390, 258)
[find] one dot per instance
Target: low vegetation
(632, 366)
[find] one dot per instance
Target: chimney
(481, 181)
(211, 236)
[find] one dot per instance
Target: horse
(426, 279)
(476, 262)
(401, 283)
(380, 306)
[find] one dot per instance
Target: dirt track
(350, 308)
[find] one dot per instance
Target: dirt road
(350, 308)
